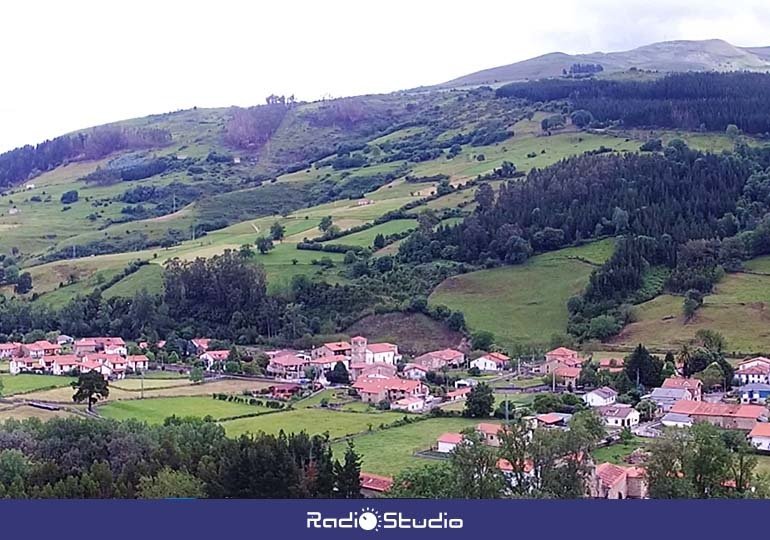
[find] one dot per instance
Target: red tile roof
(217, 355)
(549, 418)
(137, 358)
(699, 408)
(415, 366)
(451, 438)
(610, 474)
(288, 360)
(375, 385)
(680, 382)
(567, 372)
(337, 346)
(375, 482)
(66, 360)
(755, 359)
(762, 429)
(459, 392)
(382, 347)
(444, 354)
(489, 428)
(497, 358)
(616, 411)
(506, 466)
(562, 351)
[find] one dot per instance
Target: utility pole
(141, 395)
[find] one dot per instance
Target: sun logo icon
(369, 519)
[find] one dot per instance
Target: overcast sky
(72, 64)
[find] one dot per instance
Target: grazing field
(390, 451)
(22, 412)
(147, 384)
(366, 238)
(739, 309)
(226, 386)
(25, 383)
(155, 410)
(313, 421)
(149, 277)
(525, 303)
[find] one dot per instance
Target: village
(379, 377)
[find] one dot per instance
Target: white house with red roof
(91, 365)
(357, 371)
(64, 364)
(201, 345)
(559, 357)
(7, 350)
(567, 375)
(391, 389)
(289, 367)
(760, 436)
(458, 394)
(447, 442)
(138, 362)
(327, 363)
(411, 404)
(39, 349)
(25, 364)
(363, 352)
(84, 346)
(754, 370)
(445, 358)
(213, 357)
(415, 371)
(490, 433)
(493, 361)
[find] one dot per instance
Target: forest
(693, 101)
(192, 458)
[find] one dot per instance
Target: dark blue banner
(367, 518)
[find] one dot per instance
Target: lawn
(366, 238)
(136, 384)
(313, 421)
(390, 451)
(24, 383)
(617, 453)
(738, 297)
(525, 303)
(149, 277)
(155, 410)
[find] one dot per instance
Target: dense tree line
(82, 458)
(710, 101)
(28, 161)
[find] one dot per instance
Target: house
(436, 360)
(25, 364)
(754, 370)
(457, 394)
(490, 433)
(289, 367)
(214, 357)
(447, 442)
(754, 393)
(415, 371)
(39, 349)
(90, 365)
(371, 370)
(552, 419)
(409, 404)
(560, 356)
(335, 348)
(600, 397)
(693, 386)
(201, 345)
(723, 415)
(567, 375)
(466, 383)
(85, 346)
(138, 362)
(610, 481)
(527, 468)
(493, 361)
(65, 363)
(665, 398)
(324, 363)
(374, 485)
(7, 350)
(111, 345)
(612, 365)
(760, 436)
(671, 419)
(363, 352)
(377, 389)
(64, 339)
(619, 415)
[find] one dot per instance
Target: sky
(68, 65)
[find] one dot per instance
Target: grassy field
(25, 383)
(743, 298)
(525, 303)
(617, 453)
(64, 395)
(390, 451)
(137, 384)
(314, 421)
(366, 238)
(155, 410)
(22, 412)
